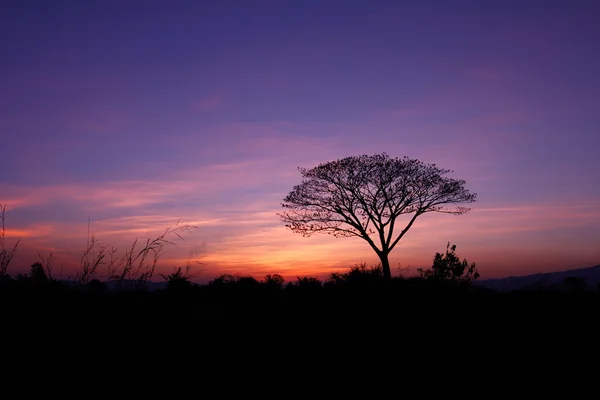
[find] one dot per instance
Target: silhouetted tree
(364, 195)
(274, 281)
(448, 266)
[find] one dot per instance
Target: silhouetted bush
(37, 274)
(236, 280)
(448, 266)
(358, 276)
(177, 281)
(308, 283)
(273, 281)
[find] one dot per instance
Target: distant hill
(555, 280)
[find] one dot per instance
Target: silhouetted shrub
(307, 283)
(177, 281)
(247, 282)
(223, 280)
(274, 281)
(449, 267)
(359, 275)
(237, 280)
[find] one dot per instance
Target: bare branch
(6, 255)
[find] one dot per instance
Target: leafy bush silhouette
(305, 283)
(274, 281)
(177, 281)
(359, 275)
(448, 266)
(223, 280)
(234, 287)
(247, 282)
(237, 280)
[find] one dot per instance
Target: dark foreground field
(236, 341)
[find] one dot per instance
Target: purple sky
(137, 115)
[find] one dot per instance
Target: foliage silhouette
(274, 280)
(448, 266)
(365, 195)
(178, 280)
(37, 273)
(358, 275)
(237, 280)
(306, 282)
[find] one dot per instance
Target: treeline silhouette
(357, 334)
(354, 335)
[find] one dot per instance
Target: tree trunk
(385, 265)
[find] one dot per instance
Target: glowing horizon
(253, 241)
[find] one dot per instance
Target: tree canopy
(364, 196)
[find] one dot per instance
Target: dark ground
(351, 343)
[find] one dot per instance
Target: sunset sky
(136, 114)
